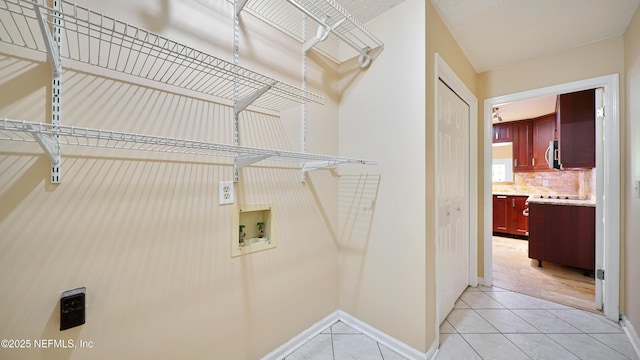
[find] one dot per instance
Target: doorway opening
(526, 168)
(607, 248)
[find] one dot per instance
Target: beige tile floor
(492, 323)
(342, 342)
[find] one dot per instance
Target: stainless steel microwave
(552, 155)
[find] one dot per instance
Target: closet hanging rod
(329, 15)
(323, 23)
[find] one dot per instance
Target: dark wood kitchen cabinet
(508, 217)
(544, 130)
(563, 234)
(530, 142)
(522, 145)
(576, 117)
(502, 133)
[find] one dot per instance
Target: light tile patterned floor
(342, 342)
(492, 323)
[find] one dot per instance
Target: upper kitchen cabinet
(502, 133)
(544, 130)
(576, 117)
(522, 145)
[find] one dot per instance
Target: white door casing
(443, 71)
(452, 198)
(599, 300)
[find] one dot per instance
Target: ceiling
(526, 109)
(365, 10)
(493, 33)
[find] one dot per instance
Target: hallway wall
(382, 234)
(631, 246)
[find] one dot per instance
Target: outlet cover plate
(226, 194)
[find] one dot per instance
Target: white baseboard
(297, 341)
(631, 334)
(390, 342)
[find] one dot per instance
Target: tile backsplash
(567, 182)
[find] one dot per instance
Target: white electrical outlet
(225, 193)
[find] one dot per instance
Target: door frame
(443, 71)
(607, 238)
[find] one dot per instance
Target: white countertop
(538, 200)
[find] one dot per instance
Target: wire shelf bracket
(53, 48)
(246, 160)
(244, 102)
(50, 145)
(315, 165)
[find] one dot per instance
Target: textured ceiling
(365, 10)
(526, 109)
(493, 33)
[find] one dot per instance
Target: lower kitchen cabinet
(563, 234)
(508, 215)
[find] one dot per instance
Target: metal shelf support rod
(319, 21)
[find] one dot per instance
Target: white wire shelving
(28, 131)
(331, 24)
(100, 40)
(67, 30)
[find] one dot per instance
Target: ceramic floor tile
(318, 348)
(454, 347)
(495, 347)
(468, 321)
(546, 322)
(506, 321)
(342, 328)
(619, 343)
(545, 304)
(491, 289)
(355, 347)
(540, 347)
(480, 300)
(513, 300)
(460, 305)
(446, 328)
(586, 322)
(472, 289)
(585, 347)
(388, 354)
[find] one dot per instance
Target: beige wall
(382, 211)
(143, 231)
(601, 58)
(631, 246)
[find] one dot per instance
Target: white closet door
(452, 195)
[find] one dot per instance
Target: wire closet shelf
(99, 40)
(330, 24)
(28, 131)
